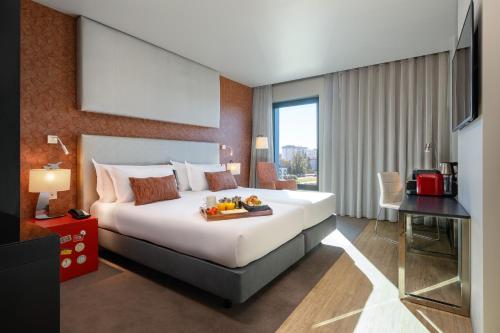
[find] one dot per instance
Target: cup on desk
(211, 201)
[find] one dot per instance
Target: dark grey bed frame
(233, 285)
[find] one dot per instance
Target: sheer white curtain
(378, 118)
(262, 124)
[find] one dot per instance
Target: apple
(212, 211)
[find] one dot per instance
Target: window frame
(276, 131)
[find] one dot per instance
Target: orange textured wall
(48, 106)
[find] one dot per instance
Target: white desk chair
(391, 195)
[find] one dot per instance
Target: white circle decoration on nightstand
(81, 259)
(79, 247)
(66, 263)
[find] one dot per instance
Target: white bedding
(104, 211)
(178, 225)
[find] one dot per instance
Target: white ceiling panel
(259, 42)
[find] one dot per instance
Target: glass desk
(434, 261)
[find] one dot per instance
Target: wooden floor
(359, 294)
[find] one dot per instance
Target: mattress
(104, 211)
(178, 225)
(316, 206)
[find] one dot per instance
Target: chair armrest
(286, 184)
(268, 185)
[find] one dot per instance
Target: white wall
(470, 190)
(479, 165)
(490, 97)
(470, 195)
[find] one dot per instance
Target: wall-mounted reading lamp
(54, 139)
(226, 147)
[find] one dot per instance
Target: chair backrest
(391, 187)
(266, 172)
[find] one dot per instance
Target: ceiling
(259, 42)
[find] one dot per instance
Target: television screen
(463, 76)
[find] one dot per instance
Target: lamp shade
(261, 142)
(49, 180)
(235, 168)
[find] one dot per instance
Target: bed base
(234, 285)
(314, 235)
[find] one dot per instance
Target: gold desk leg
(402, 254)
(464, 260)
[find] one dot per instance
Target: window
(296, 141)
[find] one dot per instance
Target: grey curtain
(379, 118)
(262, 124)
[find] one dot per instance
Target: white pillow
(196, 174)
(182, 176)
(104, 187)
(120, 175)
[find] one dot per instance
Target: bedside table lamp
(48, 182)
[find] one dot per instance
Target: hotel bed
(232, 259)
(178, 225)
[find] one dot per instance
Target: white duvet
(178, 225)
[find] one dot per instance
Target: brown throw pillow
(153, 189)
(222, 180)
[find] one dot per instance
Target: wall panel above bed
(121, 75)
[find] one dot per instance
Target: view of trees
(299, 165)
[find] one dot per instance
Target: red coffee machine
(430, 184)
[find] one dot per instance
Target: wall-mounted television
(464, 75)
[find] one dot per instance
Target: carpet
(123, 296)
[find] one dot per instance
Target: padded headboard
(133, 151)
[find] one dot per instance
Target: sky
(298, 126)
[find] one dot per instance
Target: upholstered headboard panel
(133, 151)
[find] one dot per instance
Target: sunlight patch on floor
(434, 326)
(383, 302)
(436, 286)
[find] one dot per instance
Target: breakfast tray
(221, 217)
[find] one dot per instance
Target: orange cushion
(153, 189)
(222, 180)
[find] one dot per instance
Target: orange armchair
(268, 179)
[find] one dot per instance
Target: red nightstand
(78, 240)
